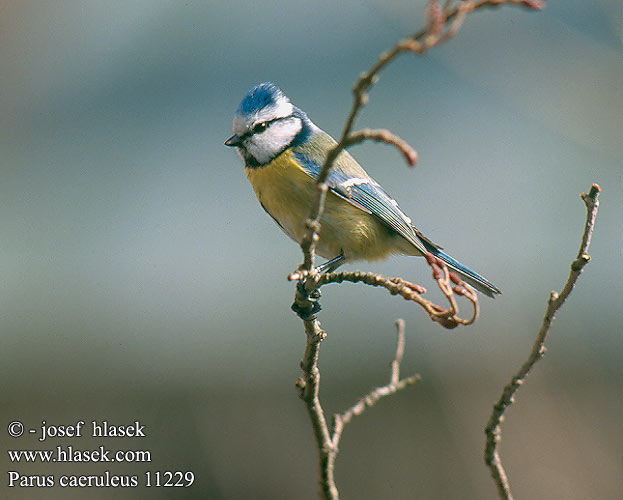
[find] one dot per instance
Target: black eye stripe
(262, 126)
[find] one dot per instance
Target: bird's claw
(306, 304)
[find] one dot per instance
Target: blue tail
(478, 282)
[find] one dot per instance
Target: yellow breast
(287, 192)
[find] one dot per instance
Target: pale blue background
(141, 279)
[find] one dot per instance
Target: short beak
(233, 141)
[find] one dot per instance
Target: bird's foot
(306, 304)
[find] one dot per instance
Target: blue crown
(260, 96)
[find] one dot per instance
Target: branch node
(300, 383)
(580, 262)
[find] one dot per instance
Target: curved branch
(444, 25)
(384, 135)
(555, 302)
(447, 317)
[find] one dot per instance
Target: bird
(283, 152)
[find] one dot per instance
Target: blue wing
(365, 193)
(348, 180)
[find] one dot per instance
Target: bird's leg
(331, 265)
(306, 303)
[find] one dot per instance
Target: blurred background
(142, 281)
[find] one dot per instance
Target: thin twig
(447, 317)
(308, 385)
(493, 429)
(384, 135)
(310, 239)
(433, 34)
(306, 295)
(371, 398)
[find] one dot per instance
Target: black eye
(260, 127)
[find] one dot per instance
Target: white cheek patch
(277, 137)
(282, 132)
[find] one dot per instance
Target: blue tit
(283, 152)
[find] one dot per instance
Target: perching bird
(283, 152)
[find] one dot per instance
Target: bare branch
(555, 302)
(310, 239)
(340, 420)
(308, 386)
(419, 43)
(384, 135)
(400, 351)
(447, 317)
(307, 290)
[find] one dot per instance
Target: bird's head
(266, 124)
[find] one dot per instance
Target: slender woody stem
(493, 430)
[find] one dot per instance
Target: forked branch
(444, 23)
(328, 440)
